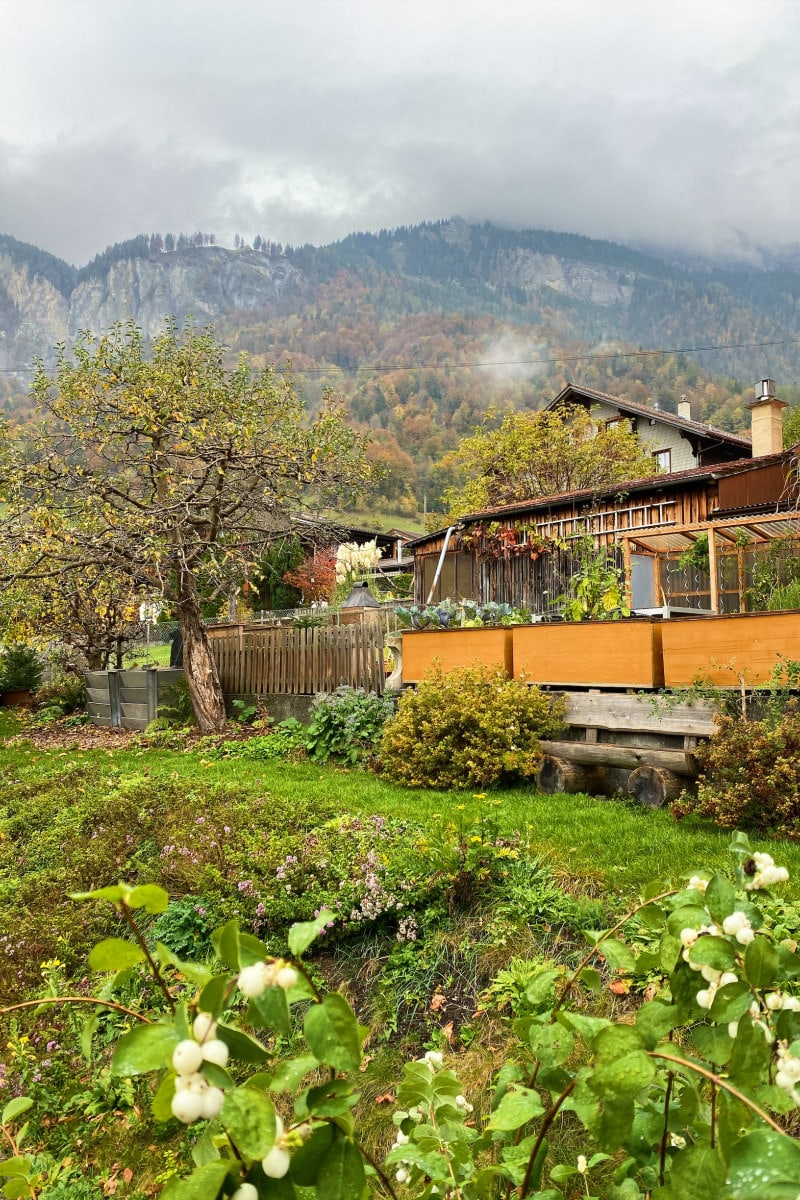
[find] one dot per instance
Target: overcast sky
(645, 121)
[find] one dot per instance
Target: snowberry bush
(691, 1096)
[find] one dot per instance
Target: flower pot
(728, 650)
(624, 653)
(490, 647)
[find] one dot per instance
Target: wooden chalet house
(743, 491)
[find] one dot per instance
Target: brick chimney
(684, 409)
(766, 419)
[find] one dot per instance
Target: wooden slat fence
(300, 662)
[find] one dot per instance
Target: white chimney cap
(765, 389)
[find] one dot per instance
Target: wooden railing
(300, 662)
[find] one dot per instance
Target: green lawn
(614, 845)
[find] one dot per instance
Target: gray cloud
(672, 124)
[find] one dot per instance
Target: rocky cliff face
(201, 282)
(34, 314)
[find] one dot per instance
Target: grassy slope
(614, 845)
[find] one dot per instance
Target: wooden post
(713, 570)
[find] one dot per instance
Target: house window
(613, 423)
(663, 459)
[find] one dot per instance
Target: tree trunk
(199, 666)
(654, 786)
(559, 775)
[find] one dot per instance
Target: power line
(510, 362)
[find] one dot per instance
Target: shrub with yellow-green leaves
(468, 727)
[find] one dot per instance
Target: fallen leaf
(385, 1098)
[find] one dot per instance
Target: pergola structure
(707, 566)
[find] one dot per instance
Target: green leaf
(249, 1119)
(586, 1027)
(271, 1008)
(198, 974)
(618, 956)
(551, 1044)
(307, 1161)
(148, 896)
(652, 917)
(697, 1174)
(331, 1099)
(765, 1166)
(761, 962)
(720, 897)
(161, 1106)
(213, 995)
(713, 1043)
(730, 1003)
(716, 952)
(343, 1176)
(624, 1076)
(655, 1020)
(251, 950)
(751, 1054)
(616, 1041)
(144, 1048)
(15, 1108)
(88, 1030)
(15, 1166)
(115, 954)
(516, 1109)
(333, 1033)
(291, 1071)
(540, 992)
(225, 941)
(669, 951)
(115, 894)
(303, 933)
(204, 1183)
(241, 1045)
(591, 978)
(562, 1172)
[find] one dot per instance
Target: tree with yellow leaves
(168, 471)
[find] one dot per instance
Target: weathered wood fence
(300, 662)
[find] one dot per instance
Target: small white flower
(434, 1059)
(733, 1028)
(402, 1139)
(697, 884)
(402, 1175)
(677, 1141)
(774, 1001)
(791, 1004)
(745, 936)
(583, 1165)
(689, 937)
(710, 974)
(727, 977)
(705, 997)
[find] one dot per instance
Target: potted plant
(20, 674)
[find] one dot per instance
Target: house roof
(708, 432)
(661, 482)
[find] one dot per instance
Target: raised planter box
(607, 654)
(726, 651)
(455, 648)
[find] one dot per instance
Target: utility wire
(510, 362)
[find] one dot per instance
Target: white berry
(276, 1163)
(187, 1057)
(252, 980)
(215, 1051)
(205, 1027)
(286, 978)
(245, 1191)
(187, 1106)
(213, 1099)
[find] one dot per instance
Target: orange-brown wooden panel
(727, 650)
(624, 653)
(455, 648)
